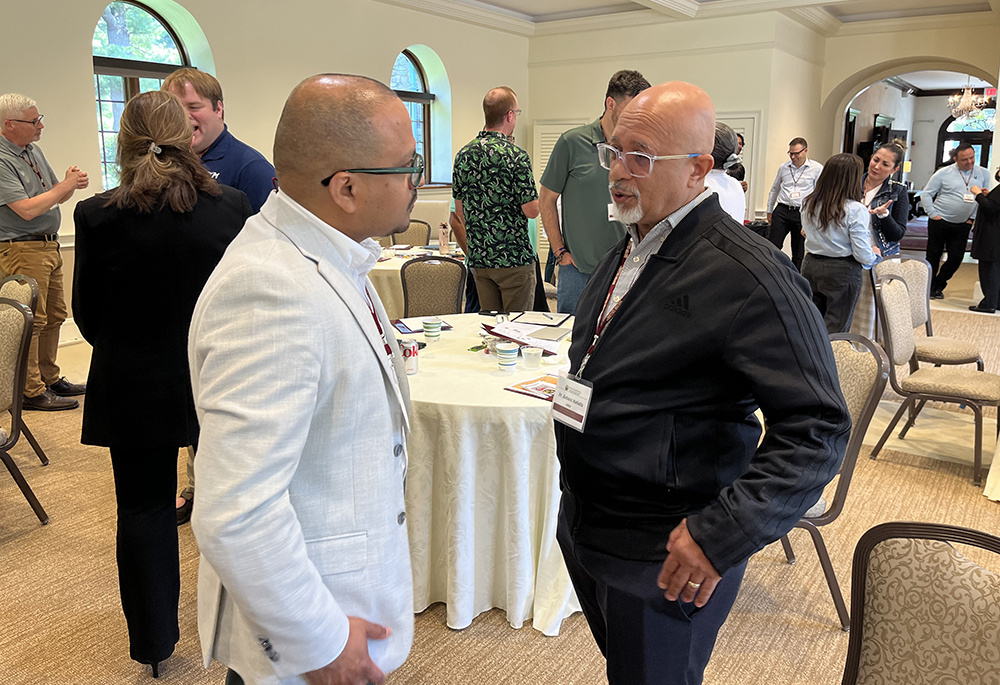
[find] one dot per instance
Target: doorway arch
(835, 105)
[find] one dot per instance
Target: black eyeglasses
(34, 122)
(415, 170)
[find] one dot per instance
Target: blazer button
(401, 519)
(397, 450)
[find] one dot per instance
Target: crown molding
(816, 19)
(625, 57)
(675, 9)
(469, 14)
(931, 23)
(622, 20)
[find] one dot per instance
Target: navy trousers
(646, 639)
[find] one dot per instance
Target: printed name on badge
(572, 402)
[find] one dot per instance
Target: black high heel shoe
(156, 669)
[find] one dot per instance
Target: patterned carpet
(61, 621)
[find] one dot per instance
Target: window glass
(406, 75)
(980, 120)
(127, 31)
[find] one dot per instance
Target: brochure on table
(543, 388)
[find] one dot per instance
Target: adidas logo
(679, 305)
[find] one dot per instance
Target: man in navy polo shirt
(231, 162)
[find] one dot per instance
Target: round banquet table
(482, 488)
(389, 286)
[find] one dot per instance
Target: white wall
(928, 116)
(260, 53)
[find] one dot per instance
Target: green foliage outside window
(126, 31)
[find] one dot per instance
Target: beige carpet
(60, 619)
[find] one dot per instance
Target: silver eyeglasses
(637, 164)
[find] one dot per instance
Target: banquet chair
(24, 289)
(433, 286)
(419, 233)
(922, 612)
(15, 337)
(937, 383)
(863, 369)
(932, 349)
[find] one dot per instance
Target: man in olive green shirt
(574, 174)
(495, 195)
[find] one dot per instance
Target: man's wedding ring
(694, 586)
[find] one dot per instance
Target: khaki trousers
(41, 260)
(509, 290)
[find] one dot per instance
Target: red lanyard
(30, 159)
(603, 321)
(967, 182)
(795, 179)
(378, 324)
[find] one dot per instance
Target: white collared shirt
(644, 248)
(793, 184)
(359, 257)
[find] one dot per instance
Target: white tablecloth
(993, 477)
(385, 277)
(482, 493)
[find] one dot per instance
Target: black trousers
(149, 576)
(989, 281)
(785, 220)
(645, 639)
(944, 235)
(836, 285)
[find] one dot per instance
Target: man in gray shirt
(951, 209)
(30, 194)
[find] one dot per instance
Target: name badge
(572, 402)
(611, 212)
(795, 194)
(969, 197)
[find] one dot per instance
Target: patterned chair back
(922, 612)
(433, 286)
(917, 275)
(15, 336)
(419, 233)
(893, 299)
(20, 288)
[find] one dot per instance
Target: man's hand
(935, 218)
(686, 564)
(562, 261)
(353, 666)
(745, 186)
(975, 190)
(769, 217)
(74, 176)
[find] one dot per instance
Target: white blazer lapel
(316, 247)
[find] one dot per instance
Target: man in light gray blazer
(302, 398)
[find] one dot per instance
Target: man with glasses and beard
(30, 195)
(302, 398)
(685, 328)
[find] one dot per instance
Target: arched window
(975, 128)
(410, 84)
(134, 49)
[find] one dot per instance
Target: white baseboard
(69, 334)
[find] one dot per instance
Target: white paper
(521, 332)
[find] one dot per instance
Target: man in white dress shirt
(794, 182)
(302, 397)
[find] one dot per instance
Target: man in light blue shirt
(951, 209)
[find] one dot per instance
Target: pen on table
(546, 316)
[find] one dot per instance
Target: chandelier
(964, 103)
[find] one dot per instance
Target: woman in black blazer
(986, 246)
(143, 253)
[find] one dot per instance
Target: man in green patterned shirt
(495, 195)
